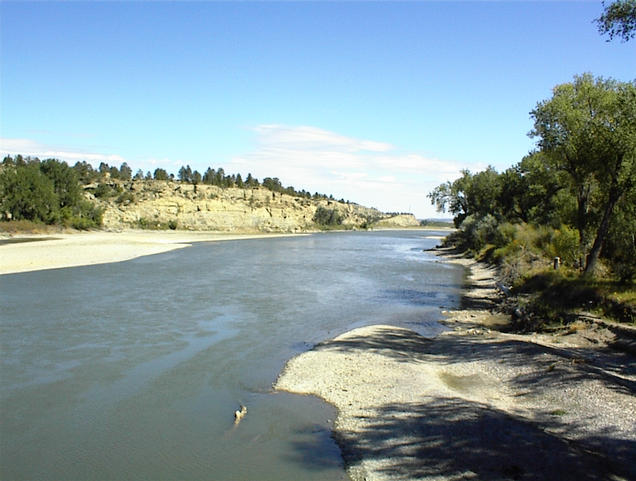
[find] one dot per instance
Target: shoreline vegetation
(479, 401)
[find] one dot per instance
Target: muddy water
(133, 370)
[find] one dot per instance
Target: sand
(473, 403)
(56, 251)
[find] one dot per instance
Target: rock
(160, 203)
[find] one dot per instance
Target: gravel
(473, 402)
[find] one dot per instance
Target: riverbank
(34, 252)
(475, 402)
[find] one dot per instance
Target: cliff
(168, 204)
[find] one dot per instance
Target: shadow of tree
(452, 438)
(551, 365)
(468, 440)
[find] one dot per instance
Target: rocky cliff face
(160, 204)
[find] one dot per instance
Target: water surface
(133, 370)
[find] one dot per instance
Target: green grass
(558, 296)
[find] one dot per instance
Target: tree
(85, 172)
(125, 172)
(588, 131)
(251, 181)
(219, 177)
(27, 194)
(618, 20)
(161, 174)
(185, 174)
(65, 182)
(208, 176)
(532, 191)
(476, 194)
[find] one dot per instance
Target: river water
(133, 370)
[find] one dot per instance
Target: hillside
(155, 204)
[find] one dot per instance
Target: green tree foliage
(471, 194)
(588, 131)
(65, 182)
(327, 217)
(582, 179)
(161, 174)
(47, 191)
(85, 172)
(27, 194)
(618, 20)
(125, 172)
(185, 174)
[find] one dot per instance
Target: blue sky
(376, 102)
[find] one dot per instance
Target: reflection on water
(133, 370)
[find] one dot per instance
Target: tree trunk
(581, 200)
(601, 233)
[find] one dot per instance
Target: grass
(26, 227)
(559, 296)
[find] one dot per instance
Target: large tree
(471, 194)
(618, 20)
(27, 194)
(588, 130)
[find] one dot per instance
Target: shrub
(565, 244)
(327, 217)
(104, 191)
(126, 197)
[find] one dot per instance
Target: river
(133, 370)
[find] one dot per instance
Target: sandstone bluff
(168, 204)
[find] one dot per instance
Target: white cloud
(32, 148)
(369, 172)
(313, 138)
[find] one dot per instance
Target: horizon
(376, 103)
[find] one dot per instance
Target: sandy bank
(69, 250)
(473, 403)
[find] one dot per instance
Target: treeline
(47, 191)
(185, 174)
(51, 191)
(573, 198)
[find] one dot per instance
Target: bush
(149, 224)
(327, 217)
(103, 191)
(565, 244)
(126, 197)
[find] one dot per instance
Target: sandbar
(54, 251)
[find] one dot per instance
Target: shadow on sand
(463, 439)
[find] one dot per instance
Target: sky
(373, 102)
